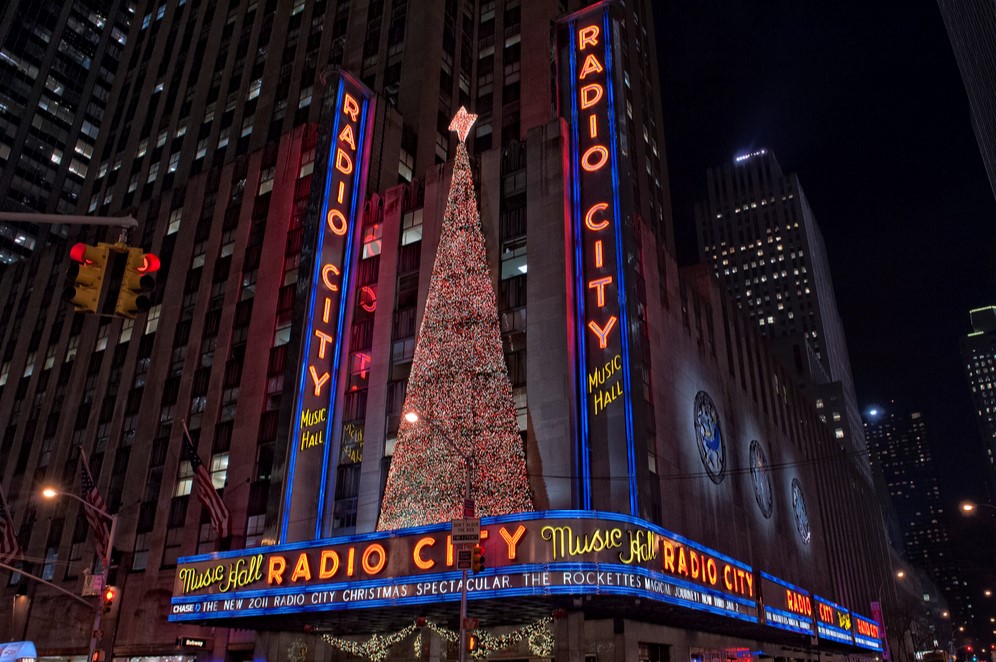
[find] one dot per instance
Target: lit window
(219, 470)
(372, 240)
(839, 433)
(185, 479)
(152, 321)
(254, 89)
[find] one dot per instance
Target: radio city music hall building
(681, 500)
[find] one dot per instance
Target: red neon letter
(325, 571)
(302, 568)
(587, 36)
(512, 540)
(602, 156)
(590, 95)
(350, 107)
(598, 254)
(603, 333)
(599, 286)
(591, 66)
(319, 381)
(336, 221)
(343, 163)
(589, 218)
(275, 573)
(593, 126)
(324, 338)
(346, 136)
(330, 268)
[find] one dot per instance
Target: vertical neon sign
(600, 322)
(313, 413)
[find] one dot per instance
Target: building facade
(681, 431)
(57, 67)
(972, 30)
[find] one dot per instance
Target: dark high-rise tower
(978, 351)
(899, 445)
(57, 66)
(971, 28)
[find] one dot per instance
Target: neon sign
(311, 423)
(786, 607)
(833, 622)
(558, 552)
(867, 633)
(595, 219)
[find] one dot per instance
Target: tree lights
(459, 382)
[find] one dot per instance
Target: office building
(899, 446)
(978, 351)
(971, 28)
(57, 67)
(289, 201)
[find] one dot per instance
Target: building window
(219, 470)
(411, 227)
(185, 479)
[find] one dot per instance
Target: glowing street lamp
(51, 493)
(413, 417)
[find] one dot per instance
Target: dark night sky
(864, 101)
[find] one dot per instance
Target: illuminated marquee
(867, 633)
(595, 218)
(786, 606)
(558, 552)
(342, 195)
(833, 622)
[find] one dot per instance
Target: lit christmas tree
(459, 385)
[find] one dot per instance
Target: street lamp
(969, 507)
(413, 417)
(51, 493)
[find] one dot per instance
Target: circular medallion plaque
(709, 437)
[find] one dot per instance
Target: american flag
(206, 492)
(96, 518)
(9, 549)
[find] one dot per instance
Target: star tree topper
(462, 122)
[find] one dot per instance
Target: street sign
(93, 584)
(467, 530)
(468, 508)
(471, 623)
(463, 559)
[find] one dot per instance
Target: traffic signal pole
(463, 590)
(127, 222)
(98, 615)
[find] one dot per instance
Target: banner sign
(786, 606)
(833, 622)
(312, 419)
(556, 552)
(595, 224)
(867, 633)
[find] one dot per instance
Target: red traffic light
(78, 253)
(110, 593)
(150, 263)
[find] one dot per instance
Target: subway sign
(786, 606)
(312, 417)
(541, 554)
(595, 212)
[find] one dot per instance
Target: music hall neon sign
(313, 414)
(595, 223)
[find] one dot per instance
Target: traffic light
(85, 276)
(98, 656)
(110, 596)
(472, 643)
(477, 558)
(137, 283)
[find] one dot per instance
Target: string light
(459, 384)
(538, 635)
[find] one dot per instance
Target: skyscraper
(971, 26)
(978, 351)
(297, 209)
(759, 234)
(57, 67)
(899, 446)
